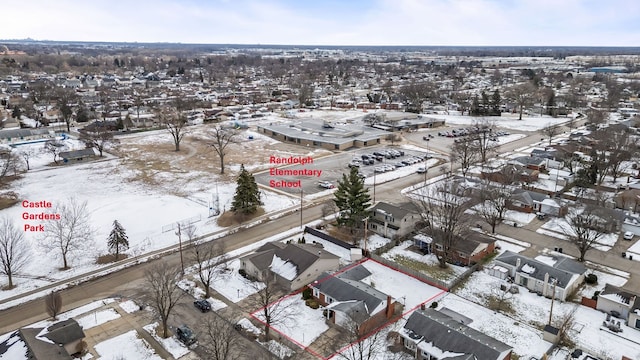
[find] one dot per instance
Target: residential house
(393, 221)
(622, 303)
(530, 162)
(56, 342)
(559, 280)
(348, 299)
(509, 174)
(75, 156)
(292, 265)
(467, 250)
(433, 335)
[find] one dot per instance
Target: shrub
(434, 305)
(591, 279)
(595, 295)
(242, 273)
(307, 293)
(312, 303)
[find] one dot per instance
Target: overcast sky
(329, 22)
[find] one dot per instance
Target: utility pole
(179, 233)
(553, 296)
(374, 186)
(301, 208)
(366, 223)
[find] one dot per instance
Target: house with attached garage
(559, 277)
(467, 250)
(393, 221)
(292, 265)
(433, 335)
(58, 341)
(348, 299)
(621, 303)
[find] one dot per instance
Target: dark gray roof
(447, 334)
(17, 133)
(398, 212)
(300, 255)
(563, 270)
(524, 194)
(76, 154)
(356, 310)
(344, 289)
(65, 332)
(356, 273)
(545, 154)
(530, 160)
(456, 316)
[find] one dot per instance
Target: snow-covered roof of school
(283, 268)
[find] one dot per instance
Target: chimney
(546, 284)
(389, 307)
(517, 263)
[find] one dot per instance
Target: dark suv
(203, 305)
(186, 335)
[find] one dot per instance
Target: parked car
(421, 170)
(628, 235)
(203, 305)
(326, 185)
(186, 335)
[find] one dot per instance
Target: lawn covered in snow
(97, 318)
(129, 306)
(126, 346)
(233, 286)
(298, 322)
(427, 264)
(560, 229)
(507, 121)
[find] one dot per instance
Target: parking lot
(334, 166)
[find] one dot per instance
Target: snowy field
(110, 195)
(126, 346)
(403, 288)
(507, 121)
(300, 323)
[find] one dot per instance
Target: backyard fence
(174, 225)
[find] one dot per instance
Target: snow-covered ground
(233, 286)
(110, 195)
(428, 259)
(171, 344)
(507, 121)
(129, 306)
(298, 322)
(559, 228)
(126, 346)
(97, 318)
(531, 311)
(16, 348)
(403, 288)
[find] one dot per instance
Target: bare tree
(272, 312)
(483, 140)
(596, 116)
(494, 202)
(26, 155)
(584, 227)
(522, 95)
(550, 131)
(222, 137)
(162, 291)
(68, 230)
(53, 304)
(443, 207)
(362, 343)
(393, 138)
(500, 298)
(417, 93)
(175, 123)
(9, 165)
(464, 153)
(65, 99)
(100, 138)
(211, 262)
(222, 341)
(14, 250)
(53, 147)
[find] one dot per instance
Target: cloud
(331, 22)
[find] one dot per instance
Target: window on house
(409, 344)
(316, 293)
(439, 247)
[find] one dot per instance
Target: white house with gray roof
(561, 277)
(434, 335)
(393, 221)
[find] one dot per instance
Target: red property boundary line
(391, 321)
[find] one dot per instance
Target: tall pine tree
(247, 198)
(352, 199)
(118, 239)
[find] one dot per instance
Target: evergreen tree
(475, 106)
(551, 104)
(495, 103)
(118, 239)
(485, 103)
(352, 199)
(247, 197)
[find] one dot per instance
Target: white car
(628, 235)
(326, 185)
